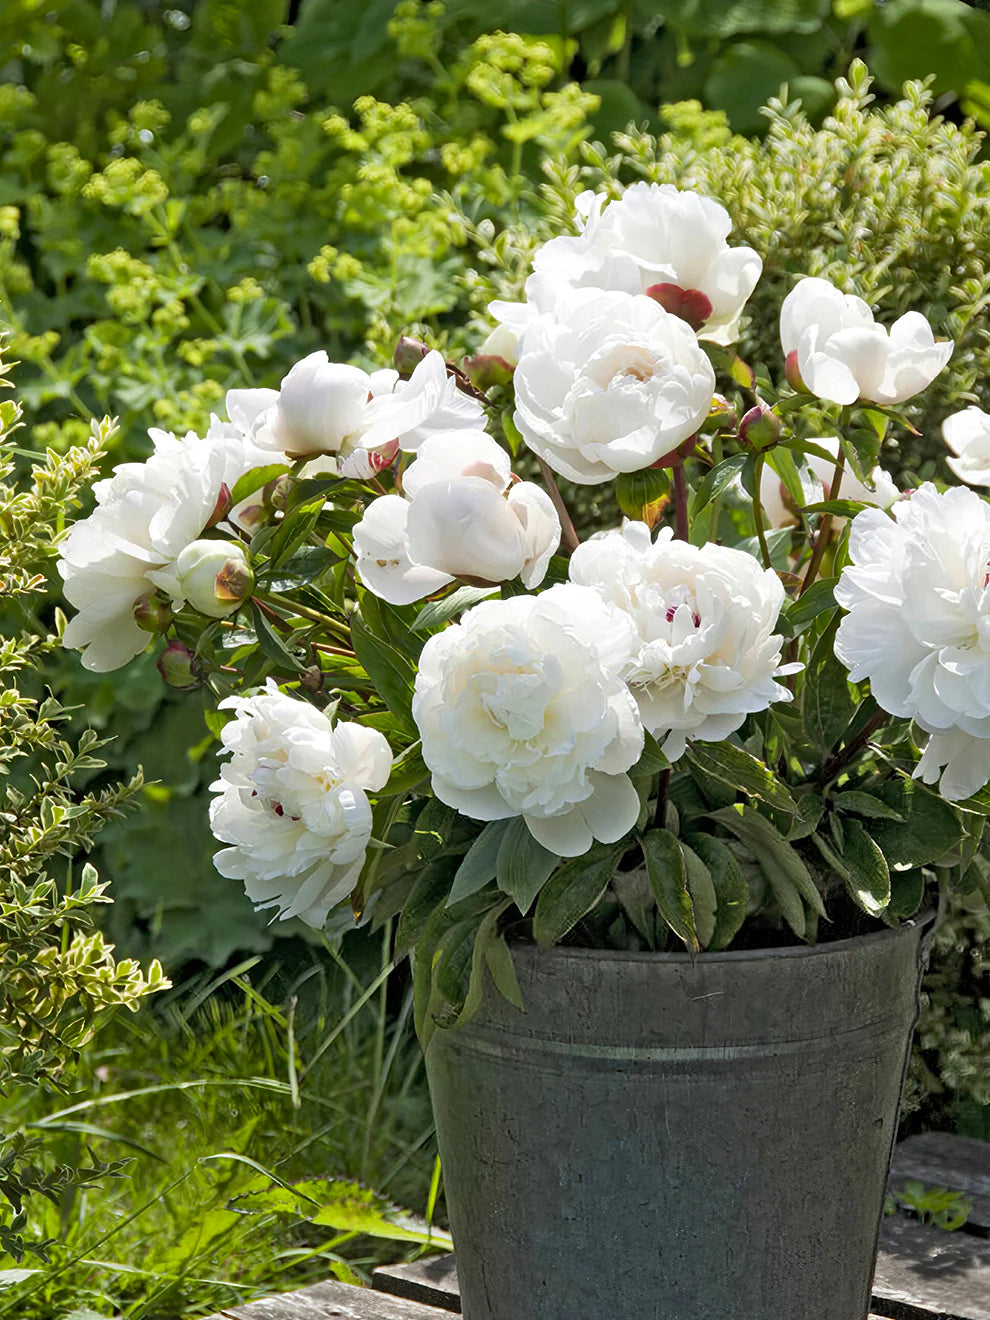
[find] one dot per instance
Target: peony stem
(681, 530)
(761, 534)
(834, 764)
(663, 786)
(825, 530)
(569, 539)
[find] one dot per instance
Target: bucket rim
(888, 934)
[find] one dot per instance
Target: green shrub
(58, 976)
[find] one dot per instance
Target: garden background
(193, 196)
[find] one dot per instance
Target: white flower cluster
(918, 594)
(146, 515)
(292, 802)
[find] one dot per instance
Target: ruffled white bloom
(325, 407)
(957, 762)
(609, 384)
(145, 515)
(967, 434)
(292, 800)
(654, 238)
(918, 594)
(456, 521)
(816, 479)
(522, 712)
(706, 653)
(842, 355)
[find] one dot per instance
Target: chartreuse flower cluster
(723, 711)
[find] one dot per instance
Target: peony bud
(252, 517)
(691, 305)
(215, 577)
(151, 613)
(222, 506)
(177, 666)
(276, 493)
(409, 353)
(722, 415)
(487, 370)
(759, 428)
(793, 373)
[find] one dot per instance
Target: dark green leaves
(929, 826)
(522, 865)
(389, 670)
(572, 891)
(720, 476)
(668, 879)
(781, 864)
(732, 765)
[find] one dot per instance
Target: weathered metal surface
(431, 1279)
(937, 1273)
(940, 1159)
(657, 1138)
(331, 1301)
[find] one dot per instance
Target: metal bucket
(660, 1140)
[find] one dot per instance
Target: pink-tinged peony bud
(409, 353)
(487, 370)
(793, 373)
(759, 428)
(276, 493)
(215, 577)
(177, 666)
(151, 613)
(691, 305)
(222, 506)
(252, 517)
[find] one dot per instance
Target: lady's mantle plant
(757, 711)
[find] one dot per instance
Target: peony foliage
(755, 712)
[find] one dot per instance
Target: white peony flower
(917, 589)
(842, 355)
(706, 654)
(412, 410)
(145, 516)
(816, 480)
(967, 434)
(292, 800)
(522, 712)
(325, 407)
(215, 577)
(654, 239)
(957, 762)
(457, 521)
(609, 384)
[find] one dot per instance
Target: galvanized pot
(656, 1139)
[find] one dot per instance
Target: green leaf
(907, 890)
(389, 670)
(783, 867)
(572, 891)
(479, 863)
(522, 866)
(440, 611)
(731, 889)
(271, 643)
(819, 597)
(704, 901)
(929, 826)
(433, 829)
(408, 770)
(837, 508)
(720, 476)
(256, 479)
(503, 970)
(668, 880)
(651, 761)
(864, 804)
(429, 894)
(730, 764)
(292, 531)
(869, 878)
